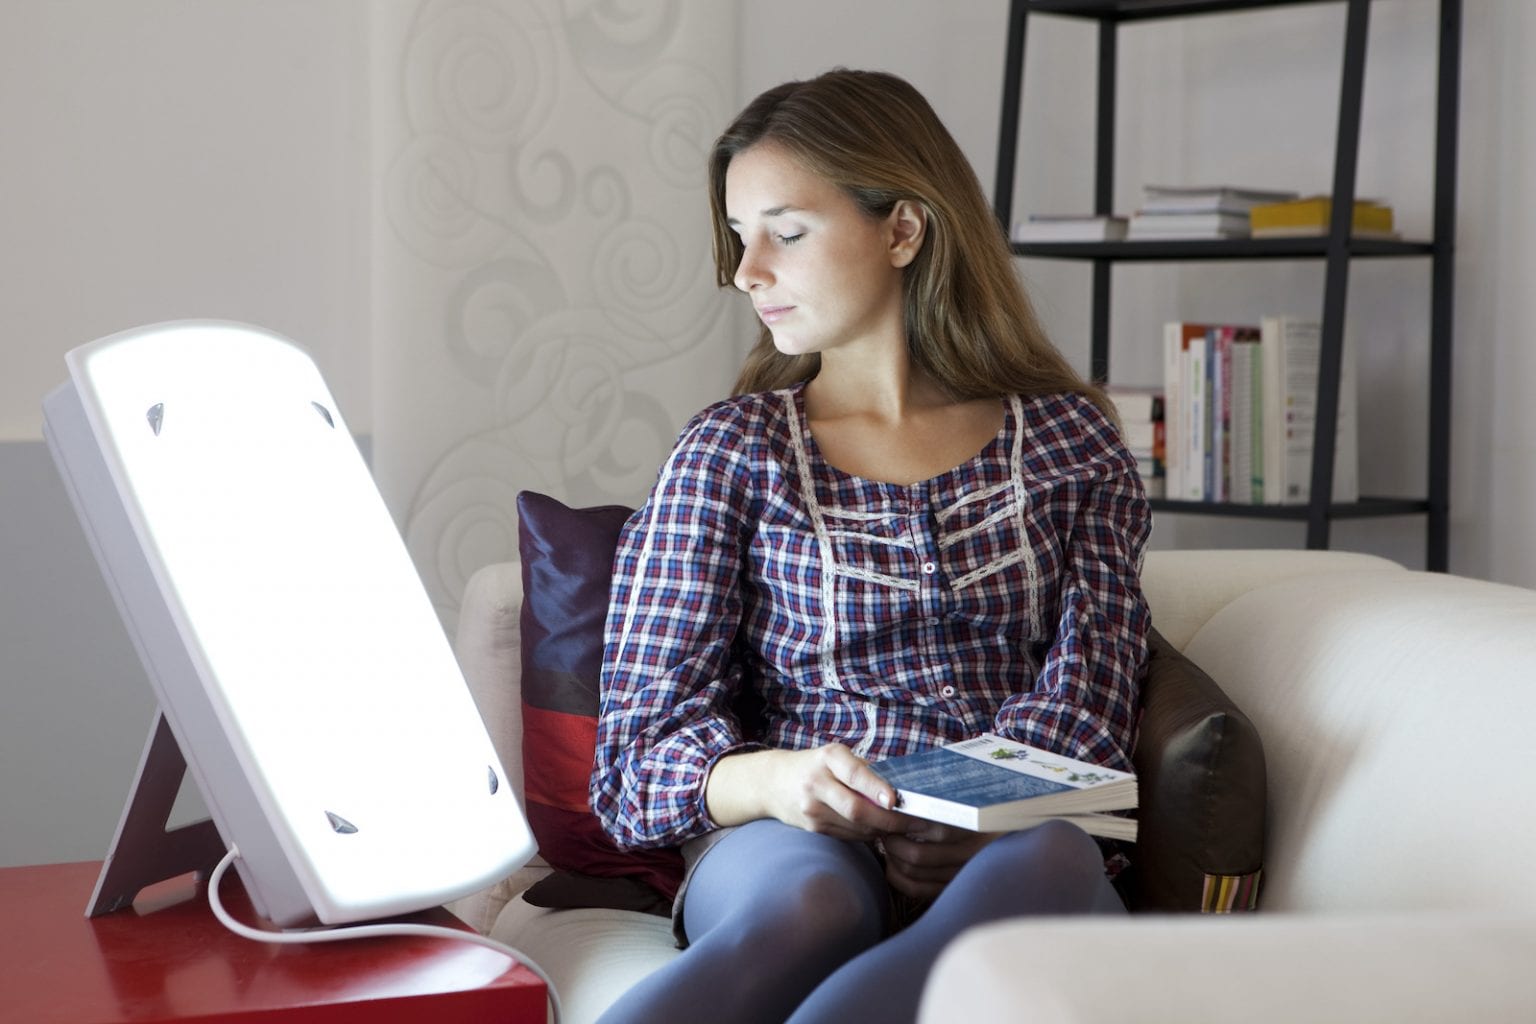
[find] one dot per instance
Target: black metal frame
(1336, 248)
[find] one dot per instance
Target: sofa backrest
(1396, 711)
(1185, 588)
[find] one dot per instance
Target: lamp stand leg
(145, 850)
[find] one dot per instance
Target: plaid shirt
(763, 598)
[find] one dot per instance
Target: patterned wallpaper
(544, 311)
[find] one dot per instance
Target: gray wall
(77, 703)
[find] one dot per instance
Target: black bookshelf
(1336, 249)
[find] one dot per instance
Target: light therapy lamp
(302, 675)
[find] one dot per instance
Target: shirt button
(932, 620)
(929, 568)
(947, 691)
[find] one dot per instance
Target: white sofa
(1396, 711)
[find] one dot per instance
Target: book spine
(1273, 431)
(932, 808)
(1222, 416)
(1256, 421)
(1300, 348)
(1195, 439)
(1173, 409)
(1241, 467)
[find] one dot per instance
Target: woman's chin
(791, 346)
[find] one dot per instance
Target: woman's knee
(836, 909)
(764, 884)
(818, 914)
(1054, 845)
(1054, 867)
(777, 950)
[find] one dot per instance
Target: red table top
(167, 958)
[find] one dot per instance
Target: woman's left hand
(921, 861)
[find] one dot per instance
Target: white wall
(159, 159)
(544, 306)
(167, 158)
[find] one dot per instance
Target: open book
(991, 784)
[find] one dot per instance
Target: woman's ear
(908, 225)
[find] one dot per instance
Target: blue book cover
(989, 783)
(949, 775)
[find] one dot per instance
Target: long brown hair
(970, 326)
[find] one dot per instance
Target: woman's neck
(884, 391)
(897, 427)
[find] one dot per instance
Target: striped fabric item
(1230, 894)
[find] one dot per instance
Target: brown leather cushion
(1200, 764)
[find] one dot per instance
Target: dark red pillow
(567, 561)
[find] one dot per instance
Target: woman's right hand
(827, 789)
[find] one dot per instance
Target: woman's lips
(772, 314)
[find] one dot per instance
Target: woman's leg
(770, 911)
(1054, 868)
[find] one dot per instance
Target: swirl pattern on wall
(544, 300)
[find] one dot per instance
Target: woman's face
(821, 273)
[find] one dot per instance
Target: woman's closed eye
(790, 239)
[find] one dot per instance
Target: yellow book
(1310, 216)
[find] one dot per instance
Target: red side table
(167, 958)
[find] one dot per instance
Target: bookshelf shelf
(1143, 10)
(1179, 250)
(1336, 249)
(1365, 508)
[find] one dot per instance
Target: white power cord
(364, 931)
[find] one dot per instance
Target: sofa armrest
(489, 652)
(489, 655)
(1403, 968)
(1185, 588)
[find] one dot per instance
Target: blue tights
(787, 925)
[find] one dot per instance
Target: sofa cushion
(1200, 767)
(567, 563)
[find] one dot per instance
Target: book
(1230, 447)
(1211, 224)
(992, 784)
(1045, 227)
(1310, 216)
(1142, 428)
(1207, 198)
(1246, 466)
(1197, 418)
(1182, 478)
(1291, 349)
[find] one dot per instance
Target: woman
(914, 523)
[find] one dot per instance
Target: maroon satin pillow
(567, 562)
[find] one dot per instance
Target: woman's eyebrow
(772, 211)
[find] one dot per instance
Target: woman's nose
(751, 271)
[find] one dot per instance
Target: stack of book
(1143, 429)
(1199, 211)
(1310, 216)
(1240, 411)
(1069, 227)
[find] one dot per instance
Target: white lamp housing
(294, 652)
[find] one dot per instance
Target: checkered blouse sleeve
(1084, 699)
(668, 676)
